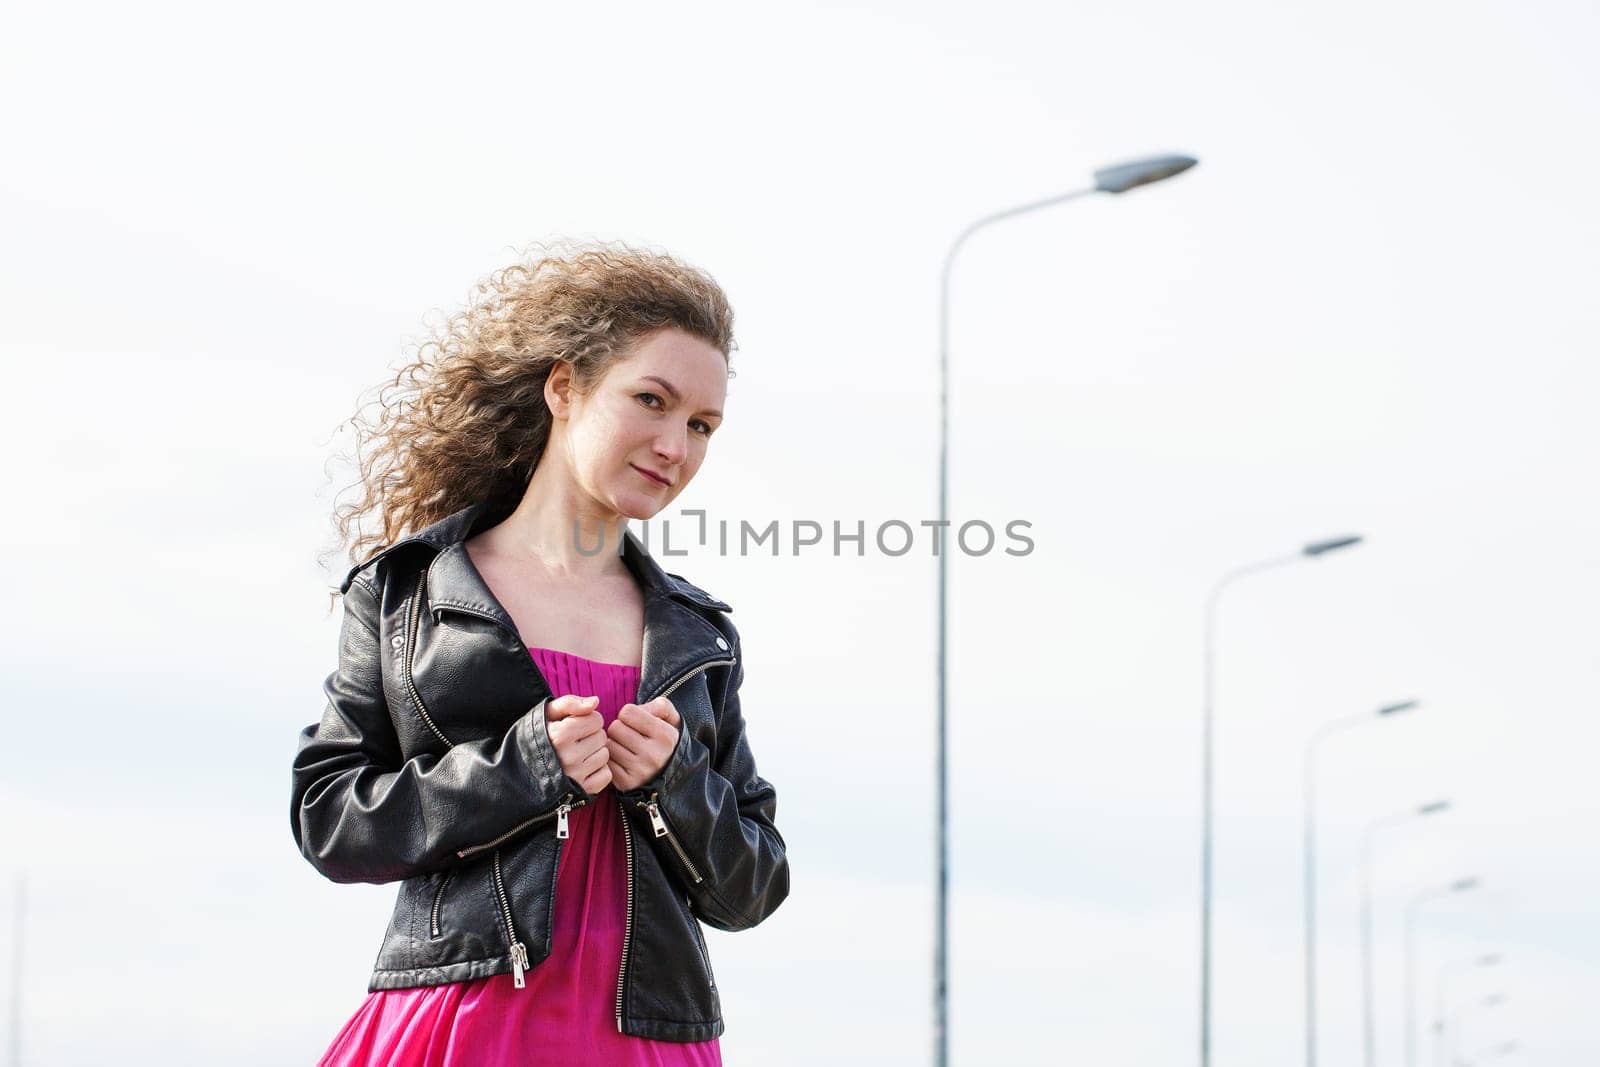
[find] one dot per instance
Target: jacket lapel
(677, 635)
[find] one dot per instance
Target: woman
(533, 727)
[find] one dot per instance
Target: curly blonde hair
(466, 419)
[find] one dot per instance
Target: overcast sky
(1370, 309)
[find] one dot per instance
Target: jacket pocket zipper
(559, 814)
(658, 823)
(438, 902)
(519, 952)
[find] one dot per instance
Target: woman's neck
(562, 528)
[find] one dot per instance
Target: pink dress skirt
(566, 1014)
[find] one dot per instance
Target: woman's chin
(639, 507)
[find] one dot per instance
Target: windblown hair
(466, 419)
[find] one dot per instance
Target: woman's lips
(652, 477)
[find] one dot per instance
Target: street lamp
(1451, 1024)
(1114, 179)
(20, 903)
(1309, 551)
(1367, 1023)
(1445, 974)
(1460, 885)
(1502, 1049)
(1310, 838)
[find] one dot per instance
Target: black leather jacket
(432, 767)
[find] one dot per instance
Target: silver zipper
(627, 929)
(559, 814)
(684, 677)
(411, 648)
(627, 837)
(519, 953)
(438, 901)
(658, 823)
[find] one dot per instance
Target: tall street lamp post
(20, 904)
(1114, 179)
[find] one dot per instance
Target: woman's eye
(701, 426)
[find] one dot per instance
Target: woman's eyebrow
(673, 390)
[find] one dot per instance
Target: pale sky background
(1370, 309)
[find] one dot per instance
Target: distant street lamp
(1207, 788)
(1368, 1026)
(1439, 1000)
(19, 906)
(1114, 179)
(1310, 838)
(1460, 885)
(1451, 1026)
(1502, 1049)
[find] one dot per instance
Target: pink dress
(566, 1013)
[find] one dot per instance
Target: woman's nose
(672, 447)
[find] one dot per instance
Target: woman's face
(639, 436)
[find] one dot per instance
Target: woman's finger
(624, 737)
(620, 778)
(568, 705)
(645, 721)
(597, 781)
(575, 727)
(589, 742)
(663, 709)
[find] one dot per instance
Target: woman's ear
(558, 390)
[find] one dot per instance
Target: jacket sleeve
(361, 812)
(721, 813)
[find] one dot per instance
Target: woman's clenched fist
(577, 730)
(640, 741)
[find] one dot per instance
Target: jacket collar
(677, 635)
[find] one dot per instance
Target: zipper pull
(561, 818)
(519, 963)
(657, 823)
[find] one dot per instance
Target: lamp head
(1331, 544)
(1121, 177)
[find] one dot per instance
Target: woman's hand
(577, 730)
(640, 741)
